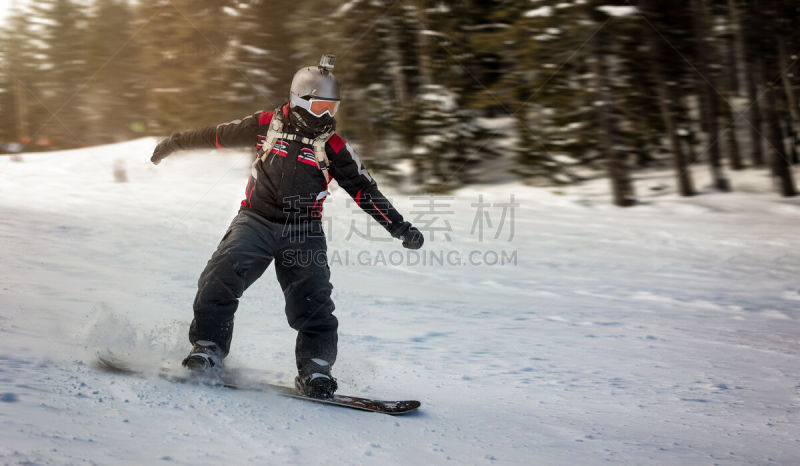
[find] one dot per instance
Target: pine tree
(116, 87)
(259, 47)
(746, 16)
(373, 44)
(187, 54)
(776, 109)
(707, 90)
(450, 144)
(540, 86)
(22, 96)
(63, 78)
(661, 58)
(7, 123)
(607, 121)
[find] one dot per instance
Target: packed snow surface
(662, 334)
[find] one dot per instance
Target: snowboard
(228, 380)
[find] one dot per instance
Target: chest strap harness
(275, 132)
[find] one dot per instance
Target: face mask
(309, 125)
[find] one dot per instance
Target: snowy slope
(664, 334)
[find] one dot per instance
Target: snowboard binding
(316, 385)
(205, 357)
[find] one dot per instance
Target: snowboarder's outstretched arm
(352, 175)
(236, 133)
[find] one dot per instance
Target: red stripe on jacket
(381, 212)
(336, 142)
(264, 118)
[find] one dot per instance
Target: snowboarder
(279, 220)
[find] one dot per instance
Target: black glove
(164, 148)
(412, 238)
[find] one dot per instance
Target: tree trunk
(621, 185)
(666, 103)
(709, 96)
(423, 48)
(732, 91)
(781, 169)
(756, 119)
(755, 123)
(783, 63)
(21, 103)
(396, 63)
(792, 134)
(641, 151)
(734, 155)
(684, 177)
(732, 58)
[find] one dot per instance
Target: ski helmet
(314, 98)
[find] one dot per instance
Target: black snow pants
(251, 243)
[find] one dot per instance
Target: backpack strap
(320, 155)
(275, 132)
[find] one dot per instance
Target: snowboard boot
(204, 358)
(315, 380)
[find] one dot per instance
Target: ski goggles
(315, 106)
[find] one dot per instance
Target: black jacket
(288, 186)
